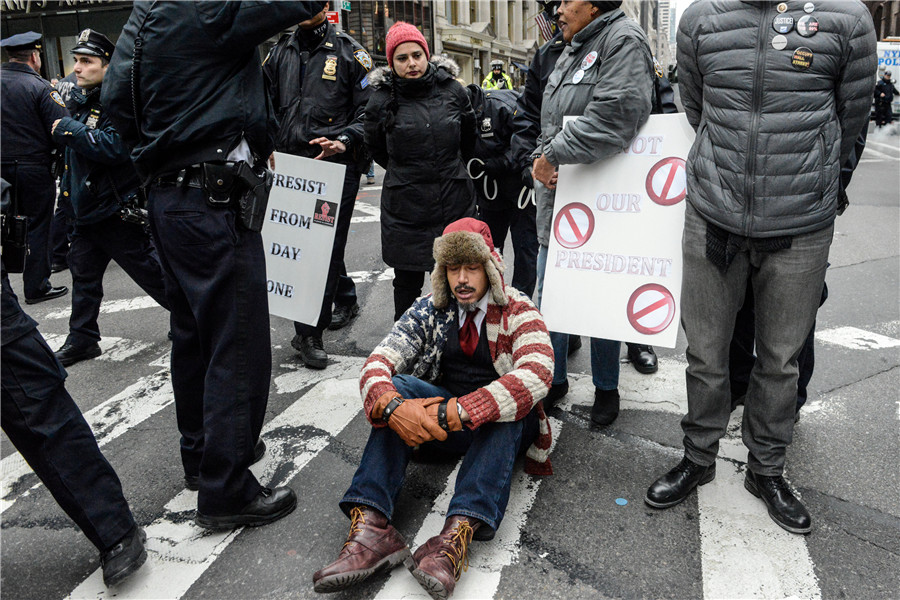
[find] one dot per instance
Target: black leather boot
(784, 508)
(674, 486)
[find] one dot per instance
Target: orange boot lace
(458, 545)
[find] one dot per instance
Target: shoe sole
(751, 487)
(431, 584)
(342, 581)
(130, 567)
(233, 521)
(710, 475)
(68, 362)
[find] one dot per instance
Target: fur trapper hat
(466, 241)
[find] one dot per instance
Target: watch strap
(390, 408)
(442, 415)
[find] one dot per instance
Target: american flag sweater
(521, 353)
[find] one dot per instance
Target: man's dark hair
(22, 55)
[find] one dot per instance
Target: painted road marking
(372, 212)
(856, 339)
(667, 181)
(179, 552)
(573, 225)
(486, 559)
(650, 309)
(110, 306)
(386, 274)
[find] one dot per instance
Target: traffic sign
(574, 225)
(345, 4)
(667, 181)
(333, 16)
(651, 309)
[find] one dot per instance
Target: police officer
(185, 90)
(103, 187)
(317, 80)
(44, 424)
(63, 222)
(884, 96)
(29, 105)
(498, 184)
(497, 79)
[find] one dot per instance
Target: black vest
(462, 374)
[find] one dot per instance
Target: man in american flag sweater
(463, 370)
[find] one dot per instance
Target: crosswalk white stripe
(856, 339)
(372, 212)
(745, 554)
(486, 559)
(133, 405)
(110, 306)
(869, 152)
(369, 276)
(895, 147)
(178, 551)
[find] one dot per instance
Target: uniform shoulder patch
(57, 98)
(363, 58)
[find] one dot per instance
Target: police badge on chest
(330, 70)
(486, 129)
(93, 118)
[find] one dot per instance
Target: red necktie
(468, 335)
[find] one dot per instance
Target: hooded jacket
(422, 132)
(773, 125)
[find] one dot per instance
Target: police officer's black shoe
(674, 486)
(643, 358)
(71, 353)
(312, 350)
(783, 506)
(268, 506)
(58, 267)
(342, 315)
(125, 557)
(50, 294)
(192, 482)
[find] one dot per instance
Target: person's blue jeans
(485, 476)
(604, 353)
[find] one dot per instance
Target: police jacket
(422, 132)
(199, 84)
(527, 119)
(504, 83)
(28, 107)
(774, 121)
(887, 88)
(605, 76)
(499, 175)
(99, 172)
(329, 100)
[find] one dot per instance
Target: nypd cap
(22, 41)
(94, 43)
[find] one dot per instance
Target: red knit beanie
(401, 32)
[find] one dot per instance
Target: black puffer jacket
(422, 132)
(773, 125)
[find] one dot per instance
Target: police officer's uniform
(101, 182)
(64, 217)
(317, 80)
(28, 107)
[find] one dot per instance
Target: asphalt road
(582, 533)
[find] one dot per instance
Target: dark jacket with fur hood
(421, 131)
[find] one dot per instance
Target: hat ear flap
(440, 287)
(494, 270)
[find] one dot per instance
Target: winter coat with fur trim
(421, 131)
(520, 349)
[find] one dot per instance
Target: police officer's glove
(527, 178)
(446, 414)
(411, 422)
(496, 165)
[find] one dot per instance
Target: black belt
(191, 176)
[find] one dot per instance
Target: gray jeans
(787, 286)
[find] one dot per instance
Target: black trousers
(407, 287)
(883, 114)
(93, 246)
(339, 287)
(61, 227)
(215, 278)
(741, 357)
(46, 427)
(36, 189)
(521, 224)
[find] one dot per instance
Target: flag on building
(544, 25)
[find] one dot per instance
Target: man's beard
(466, 306)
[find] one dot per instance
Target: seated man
(474, 364)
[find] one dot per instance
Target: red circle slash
(573, 225)
(651, 309)
(667, 181)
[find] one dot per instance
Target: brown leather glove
(381, 404)
(454, 423)
(412, 423)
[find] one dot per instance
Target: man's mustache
(463, 288)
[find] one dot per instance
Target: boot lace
(357, 520)
(459, 548)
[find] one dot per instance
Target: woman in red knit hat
(420, 127)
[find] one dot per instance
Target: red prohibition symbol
(667, 181)
(651, 309)
(574, 225)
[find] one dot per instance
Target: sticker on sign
(651, 309)
(574, 225)
(667, 181)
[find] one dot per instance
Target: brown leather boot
(441, 560)
(372, 545)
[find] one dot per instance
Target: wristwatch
(390, 408)
(345, 140)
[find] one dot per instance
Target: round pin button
(782, 6)
(808, 26)
(779, 42)
(578, 76)
(809, 7)
(802, 58)
(783, 23)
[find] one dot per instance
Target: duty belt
(191, 176)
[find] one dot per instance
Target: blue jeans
(604, 353)
(485, 476)
(787, 287)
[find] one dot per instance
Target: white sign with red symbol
(298, 234)
(614, 261)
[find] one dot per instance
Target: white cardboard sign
(614, 262)
(298, 234)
